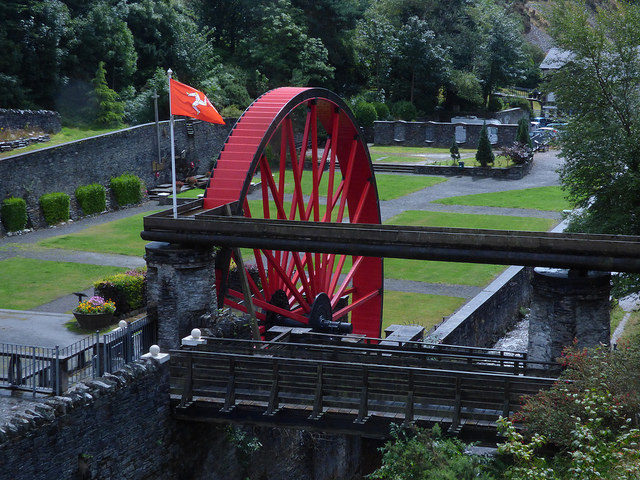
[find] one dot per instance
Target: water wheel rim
(244, 154)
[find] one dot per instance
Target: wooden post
(230, 398)
(363, 411)
(274, 405)
(317, 403)
(255, 331)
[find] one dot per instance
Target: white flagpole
(173, 153)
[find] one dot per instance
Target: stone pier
(180, 289)
(568, 305)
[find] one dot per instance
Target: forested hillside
(435, 54)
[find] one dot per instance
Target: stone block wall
(97, 159)
(45, 120)
(119, 427)
(437, 134)
(485, 319)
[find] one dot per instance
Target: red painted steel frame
(351, 196)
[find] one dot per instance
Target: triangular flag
(188, 101)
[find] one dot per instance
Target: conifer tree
(484, 155)
(522, 136)
(455, 152)
(110, 108)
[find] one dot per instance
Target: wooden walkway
(343, 387)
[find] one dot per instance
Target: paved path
(44, 329)
(543, 173)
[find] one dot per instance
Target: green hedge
(127, 189)
(404, 110)
(365, 113)
(92, 198)
(55, 207)
(382, 110)
(14, 214)
(128, 290)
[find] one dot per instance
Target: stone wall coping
(29, 112)
(79, 395)
(454, 321)
(449, 123)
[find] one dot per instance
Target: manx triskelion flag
(188, 101)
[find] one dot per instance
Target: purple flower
(96, 301)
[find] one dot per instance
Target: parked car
(538, 122)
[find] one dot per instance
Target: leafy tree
(102, 35)
(375, 43)
(282, 50)
(500, 59)
(484, 155)
(600, 88)
(110, 108)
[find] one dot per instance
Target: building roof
(555, 59)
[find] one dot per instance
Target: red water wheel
(313, 165)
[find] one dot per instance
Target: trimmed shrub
(55, 207)
(522, 103)
(14, 214)
(231, 111)
(382, 110)
(495, 104)
(365, 113)
(92, 198)
(404, 110)
(128, 290)
(484, 155)
(454, 151)
(127, 189)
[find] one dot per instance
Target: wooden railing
(345, 393)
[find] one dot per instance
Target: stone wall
(45, 120)
(485, 319)
(97, 159)
(119, 427)
(511, 115)
(508, 173)
(437, 134)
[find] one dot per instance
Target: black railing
(53, 369)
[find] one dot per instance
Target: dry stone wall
(45, 120)
(120, 427)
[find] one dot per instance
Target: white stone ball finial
(123, 324)
(196, 333)
(154, 350)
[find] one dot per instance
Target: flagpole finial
(169, 72)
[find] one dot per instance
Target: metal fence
(54, 370)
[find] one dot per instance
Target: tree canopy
(428, 53)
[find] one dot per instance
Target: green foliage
(92, 198)
(127, 189)
(495, 104)
(454, 151)
(55, 207)
(522, 103)
(522, 135)
(484, 155)
(518, 153)
(110, 108)
(600, 86)
(602, 444)
(419, 454)
(232, 111)
(365, 113)
(381, 110)
(14, 214)
(128, 290)
(466, 86)
(404, 110)
(245, 443)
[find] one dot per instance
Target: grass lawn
(631, 333)
(539, 198)
(617, 313)
(65, 135)
(389, 186)
(391, 149)
(455, 273)
(26, 283)
(416, 308)
(193, 193)
(120, 237)
(466, 220)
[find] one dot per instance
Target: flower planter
(94, 321)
